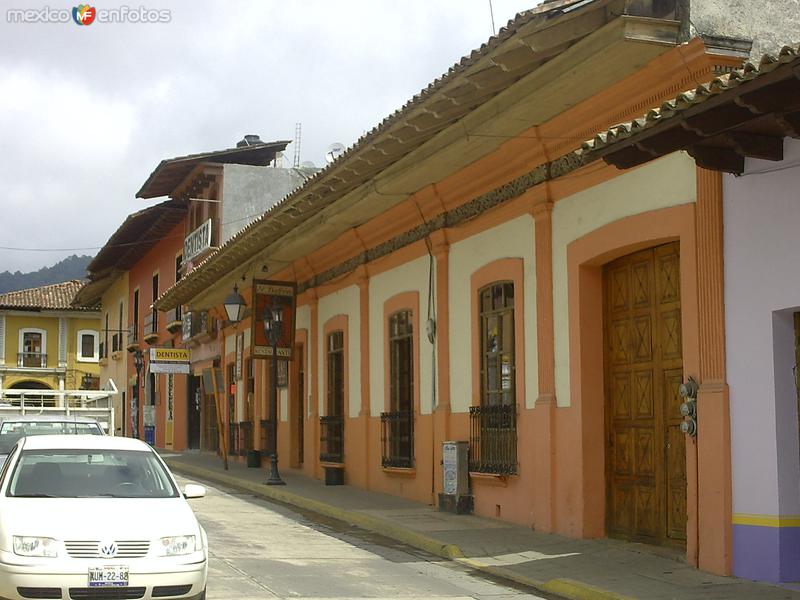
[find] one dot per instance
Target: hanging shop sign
(170, 360)
(270, 297)
(197, 242)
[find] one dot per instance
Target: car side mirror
(192, 490)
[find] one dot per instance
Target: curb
(565, 588)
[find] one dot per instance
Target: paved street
(263, 550)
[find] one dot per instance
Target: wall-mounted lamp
(234, 305)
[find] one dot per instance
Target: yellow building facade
(46, 343)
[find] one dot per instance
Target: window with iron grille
(493, 425)
(397, 425)
(332, 424)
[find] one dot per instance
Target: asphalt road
(263, 550)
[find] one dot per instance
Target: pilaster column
(713, 409)
(441, 412)
(314, 369)
(62, 342)
(543, 444)
(364, 414)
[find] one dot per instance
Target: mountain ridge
(72, 267)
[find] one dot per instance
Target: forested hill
(72, 267)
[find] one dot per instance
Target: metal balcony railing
(233, 439)
(245, 436)
(331, 437)
(493, 439)
(34, 360)
(397, 439)
(150, 324)
(265, 433)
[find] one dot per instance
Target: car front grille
(121, 593)
(164, 591)
(125, 549)
(43, 593)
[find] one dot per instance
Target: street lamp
(234, 305)
(273, 321)
(138, 363)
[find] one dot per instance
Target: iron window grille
(397, 425)
(332, 425)
(493, 424)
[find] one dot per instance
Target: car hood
(96, 518)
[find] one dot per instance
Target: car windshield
(90, 474)
(26, 428)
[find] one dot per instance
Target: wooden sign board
(271, 296)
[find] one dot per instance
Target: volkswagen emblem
(107, 549)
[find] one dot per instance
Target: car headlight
(177, 545)
(35, 546)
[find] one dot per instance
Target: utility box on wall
(455, 496)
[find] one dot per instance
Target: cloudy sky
(87, 112)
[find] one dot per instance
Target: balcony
(133, 338)
(116, 346)
(174, 320)
(331, 437)
(32, 360)
(397, 439)
(197, 327)
(151, 327)
(493, 439)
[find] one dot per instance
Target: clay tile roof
(57, 296)
(691, 98)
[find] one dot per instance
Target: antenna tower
(296, 161)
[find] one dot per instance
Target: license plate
(113, 576)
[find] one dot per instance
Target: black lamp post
(138, 363)
(273, 321)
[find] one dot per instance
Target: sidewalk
(576, 569)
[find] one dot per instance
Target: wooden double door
(646, 451)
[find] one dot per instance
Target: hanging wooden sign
(269, 298)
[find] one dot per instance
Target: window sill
(401, 471)
(104, 361)
(489, 478)
(89, 359)
(116, 355)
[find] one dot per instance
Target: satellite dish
(308, 164)
(334, 151)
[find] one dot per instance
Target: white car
(96, 517)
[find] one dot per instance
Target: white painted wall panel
(667, 182)
(342, 302)
(410, 277)
(513, 239)
(762, 291)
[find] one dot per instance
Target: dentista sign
(197, 242)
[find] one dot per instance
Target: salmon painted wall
(159, 259)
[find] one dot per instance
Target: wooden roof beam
(790, 123)
(718, 159)
(722, 118)
(765, 147)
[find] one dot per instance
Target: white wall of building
(512, 239)
(342, 302)
(667, 182)
(410, 277)
(762, 291)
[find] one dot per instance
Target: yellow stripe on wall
(767, 520)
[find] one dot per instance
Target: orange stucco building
(464, 274)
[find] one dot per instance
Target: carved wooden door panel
(646, 457)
